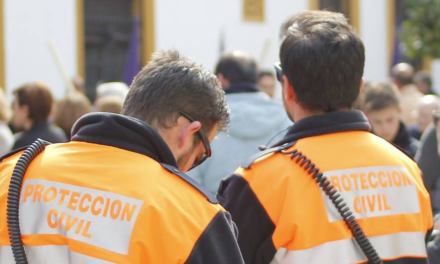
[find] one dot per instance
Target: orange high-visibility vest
(90, 203)
(295, 221)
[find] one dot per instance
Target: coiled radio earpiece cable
(13, 201)
(349, 218)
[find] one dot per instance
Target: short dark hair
(237, 67)
(323, 59)
(170, 84)
(378, 96)
(264, 73)
(38, 98)
(423, 76)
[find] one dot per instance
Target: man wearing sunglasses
(329, 179)
(118, 193)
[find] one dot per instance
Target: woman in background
(70, 109)
(6, 137)
(32, 106)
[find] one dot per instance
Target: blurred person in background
(32, 106)
(266, 81)
(119, 89)
(434, 246)
(402, 74)
(109, 104)
(70, 109)
(6, 137)
(255, 119)
(429, 164)
(110, 97)
(383, 109)
(424, 82)
(423, 114)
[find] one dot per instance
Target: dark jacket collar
(332, 122)
(402, 138)
(405, 142)
(123, 132)
(242, 88)
(40, 126)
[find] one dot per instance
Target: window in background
(108, 27)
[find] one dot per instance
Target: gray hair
(170, 84)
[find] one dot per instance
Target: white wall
(29, 25)
(194, 27)
(373, 27)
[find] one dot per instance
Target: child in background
(381, 105)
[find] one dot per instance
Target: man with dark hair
(118, 193)
(266, 81)
(402, 74)
(256, 119)
(382, 107)
(424, 82)
(236, 67)
(330, 191)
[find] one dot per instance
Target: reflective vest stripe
(346, 250)
(49, 254)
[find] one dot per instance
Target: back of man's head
(323, 59)
(170, 84)
(237, 67)
(402, 74)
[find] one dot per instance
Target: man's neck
(27, 125)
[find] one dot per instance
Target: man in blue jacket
(255, 119)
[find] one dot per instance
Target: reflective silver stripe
(373, 192)
(49, 254)
(347, 251)
(100, 218)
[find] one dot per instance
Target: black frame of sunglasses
(205, 142)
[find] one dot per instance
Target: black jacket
(42, 130)
(404, 141)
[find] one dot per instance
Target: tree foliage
(421, 30)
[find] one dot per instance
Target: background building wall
(197, 27)
(373, 31)
(28, 27)
(200, 29)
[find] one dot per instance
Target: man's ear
(187, 131)
(224, 82)
(289, 93)
(362, 84)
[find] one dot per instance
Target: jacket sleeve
(254, 224)
(428, 159)
(434, 250)
(218, 243)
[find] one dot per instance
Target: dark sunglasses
(436, 117)
(279, 71)
(205, 142)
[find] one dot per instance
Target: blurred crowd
(401, 111)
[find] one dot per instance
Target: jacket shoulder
(200, 188)
(12, 153)
(251, 160)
